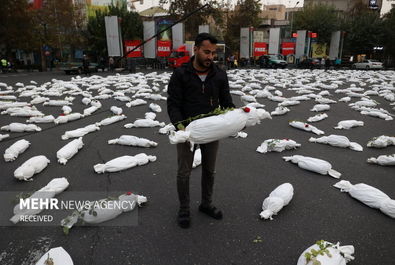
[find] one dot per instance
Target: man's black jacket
(188, 96)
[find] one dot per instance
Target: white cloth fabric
(278, 198)
(369, 195)
(197, 158)
(313, 164)
(124, 162)
(67, 118)
(32, 166)
(348, 124)
(383, 160)
(381, 141)
(20, 127)
(136, 102)
(80, 132)
(306, 127)
(45, 119)
(111, 120)
(133, 141)
(69, 150)
(280, 111)
(58, 255)
(338, 255)
(318, 117)
(155, 107)
(12, 152)
(144, 123)
(337, 141)
(277, 145)
(116, 110)
(320, 107)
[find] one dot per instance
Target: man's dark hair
(205, 36)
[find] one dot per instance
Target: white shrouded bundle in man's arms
(12, 152)
(278, 198)
(369, 195)
(306, 127)
(100, 211)
(124, 162)
(337, 141)
(313, 164)
(325, 253)
(213, 128)
(277, 145)
(55, 256)
(53, 188)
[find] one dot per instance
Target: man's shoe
(211, 211)
(184, 219)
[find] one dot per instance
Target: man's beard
(203, 63)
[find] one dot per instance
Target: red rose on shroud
(306, 125)
(61, 114)
(128, 193)
(246, 109)
(286, 139)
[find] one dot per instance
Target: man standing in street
(195, 88)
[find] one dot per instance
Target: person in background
(195, 88)
(111, 64)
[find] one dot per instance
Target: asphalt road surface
(244, 179)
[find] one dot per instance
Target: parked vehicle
(272, 61)
(178, 57)
(77, 67)
(368, 64)
(310, 63)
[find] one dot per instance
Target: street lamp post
(292, 18)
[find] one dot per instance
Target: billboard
(164, 48)
(335, 44)
(260, 48)
(245, 43)
(113, 36)
(130, 45)
(300, 44)
(178, 35)
(149, 47)
(288, 48)
(274, 41)
(318, 50)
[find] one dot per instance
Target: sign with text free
(260, 48)
(130, 45)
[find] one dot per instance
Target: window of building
(273, 8)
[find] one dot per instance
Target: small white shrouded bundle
(150, 115)
(155, 107)
(12, 152)
(325, 253)
(4, 136)
(306, 127)
(124, 162)
(320, 107)
(318, 117)
(383, 160)
(86, 101)
(378, 114)
(101, 211)
(369, 195)
(20, 127)
(167, 129)
(348, 124)
(111, 120)
(217, 127)
(32, 166)
(337, 141)
(241, 135)
(278, 198)
(45, 119)
(197, 158)
(66, 110)
(279, 111)
(54, 187)
(55, 256)
(277, 145)
(313, 164)
(69, 150)
(144, 123)
(136, 102)
(67, 118)
(57, 103)
(116, 110)
(90, 110)
(381, 141)
(80, 132)
(133, 141)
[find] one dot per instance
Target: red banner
(35, 4)
(287, 48)
(163, 48)
(130, 45)
(260, 48)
